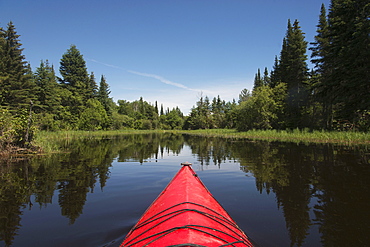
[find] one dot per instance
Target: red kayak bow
(186, 214)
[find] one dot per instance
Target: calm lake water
(280, 194)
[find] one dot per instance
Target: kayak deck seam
(192, 227)
(225, 222)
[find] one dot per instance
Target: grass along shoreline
(56, 141)
(297, 136)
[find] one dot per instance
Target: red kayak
(186, 214)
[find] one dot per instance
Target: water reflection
(335, 179)
(319, 185)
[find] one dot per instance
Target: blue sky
(170, 51)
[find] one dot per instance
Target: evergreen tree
(293, 71)
(266, 78)
(348, 57)
(156, 107)
(258, 80)
(75, 80)
(319, 53)
(73, 70)
(103, 95)
(320, 46)
(2, 50)
(16, 86)
(92, 87)
(244, 95)
(218, 109)
(275, 77)
(48, 98)
(162, 112)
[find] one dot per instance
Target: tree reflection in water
(322, 185)
(335, 178)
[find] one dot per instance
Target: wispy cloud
(226, 89)
(162, 79)
(105, 64)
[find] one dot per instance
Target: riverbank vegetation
(333, 96)
(60, 141)
(296, 135)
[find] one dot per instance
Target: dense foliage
(334, 95)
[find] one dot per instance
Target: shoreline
(49, 142)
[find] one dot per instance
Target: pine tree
(16, 86)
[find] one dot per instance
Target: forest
(334, 95)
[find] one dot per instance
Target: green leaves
(94, 117)
(262, 109)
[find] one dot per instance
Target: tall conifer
(321, 85)
(103, 95)
(348, 57)
(16, 85)
(266, 78)
(73, 69)
(275, 77)
(76, 80)
(292, 69)
(91, 87)
(258, 80)
(48, 98)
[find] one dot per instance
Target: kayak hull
(186, 214)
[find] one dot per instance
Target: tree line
(333, 95)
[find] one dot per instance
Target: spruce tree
(258, 80)
(76, 80)
(47, 89)
(348, 57)
(91, 87)
(320, 46)
(156, 107)
(73, 70)
(292, 70)
(275, 77)
(16, 86)
(103, 95)
(162, 112)
(266, 78)
(321, 85)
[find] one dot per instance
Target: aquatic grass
(59, 141)
(296, 135)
